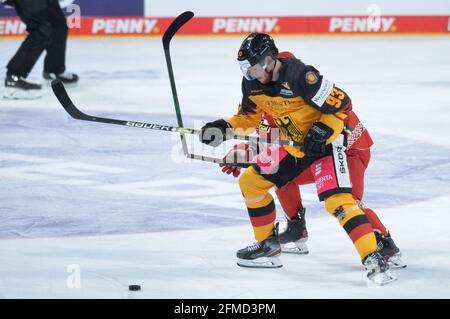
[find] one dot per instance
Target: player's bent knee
(247, 178)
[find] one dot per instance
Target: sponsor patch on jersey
(324, 91)
(286, 89)
(286, 92)
(311, 77)
(318, 169)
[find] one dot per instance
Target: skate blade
(263, 262)
(396, 262)
(299, 248)
(17, 94)
(381, 279)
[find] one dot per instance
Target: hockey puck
(134, 287)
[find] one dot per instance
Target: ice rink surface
(101, 206)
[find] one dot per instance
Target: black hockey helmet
(254, 49)
(257, 46)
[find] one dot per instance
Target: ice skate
(293, 238)
(262, 254)
(67, 78)
(389, 250)
(17, 88)
(378, 273)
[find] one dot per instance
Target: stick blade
(176, 24)
(61, 93)
(63, 98)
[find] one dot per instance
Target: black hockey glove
(214, 133)
(314, 143)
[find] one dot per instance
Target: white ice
(106, 206)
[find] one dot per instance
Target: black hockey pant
(47, 30)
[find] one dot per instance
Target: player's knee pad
(247, 178)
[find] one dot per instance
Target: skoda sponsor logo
(341, 159)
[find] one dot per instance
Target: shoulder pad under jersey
(321, 93)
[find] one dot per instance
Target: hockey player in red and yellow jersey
(294, 238)
(309, 109)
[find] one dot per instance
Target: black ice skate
(16, 87)
(262, 254)
(389, 250)
(293, 238)
(377, 268)
(66, 77)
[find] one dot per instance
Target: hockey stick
(67, 104)
(176, 24)
(64, 99)
(179, 21)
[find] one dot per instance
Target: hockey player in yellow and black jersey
(307, 108)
